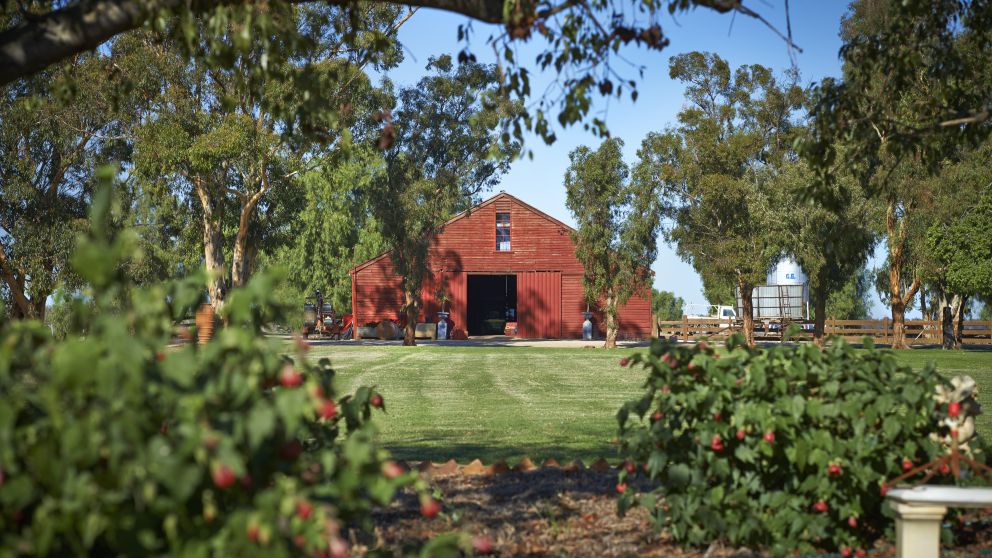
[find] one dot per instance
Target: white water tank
(786, 272)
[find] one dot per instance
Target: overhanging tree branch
(45, 39)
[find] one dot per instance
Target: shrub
(113, 445)
(775, 449)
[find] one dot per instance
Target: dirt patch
(551, 512)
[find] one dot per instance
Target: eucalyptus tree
(958, 248)
(50, 151)
(618, 219)
(714, 170)
(666, 306)
(335, 229)
(225, 137)
(831, 246)
(447, 149)
(916, 85)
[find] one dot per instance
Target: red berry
(770, 437)
(391, 470)
(716, 416)
(482, 544)
(944, 469)
(327, 409)
(907, 465)
(702, 346)
(223, 476)
(845, 552)
(852, 522)
(290, 450)
(429, 507)
(338, 548)
(834, 470)
(716, 444)
(630, 467)
(303, 510)
(820, 507)
(860, 553)
(657, 416)
(621, 488)
(883, 490)
(741, 434)
(376, 401)
(253, 532)
(624, 361)
(289, 377)
(953, 409)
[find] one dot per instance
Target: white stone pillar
(918, 529)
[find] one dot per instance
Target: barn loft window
(502, 232)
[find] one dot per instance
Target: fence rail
(918, 332)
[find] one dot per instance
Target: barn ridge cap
(466, 213)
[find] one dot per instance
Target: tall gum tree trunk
(820, 314)
(409, 332)
(213, 248)
(239, 264)
(897, 299)
(747, 308)
(240, 260)
(959, 322)
(611, 323)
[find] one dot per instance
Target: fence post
(685, 328)
(886, 331)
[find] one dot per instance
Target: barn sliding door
(539, 304)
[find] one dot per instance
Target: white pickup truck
(716, 312)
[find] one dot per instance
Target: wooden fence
(918, 332)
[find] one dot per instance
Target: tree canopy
(713, 170)
(618, 220)
(445, 153)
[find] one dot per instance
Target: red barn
(500, 260)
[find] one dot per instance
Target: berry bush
(783, 449)
(112, 444)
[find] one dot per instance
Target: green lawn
(508, 402)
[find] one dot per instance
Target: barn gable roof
(467, 213)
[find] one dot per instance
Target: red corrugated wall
(467, 245)
(539, 304)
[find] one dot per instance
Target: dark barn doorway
(492, 301)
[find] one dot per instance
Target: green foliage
(832, 246)
(335, 230)
(113, 444)
(852, 301)
(446, 151)
(739, 445)
(577, 44)
(49, 151)
(964, 251)
(618, 221)
(916, 85)
(666, 306)
(714, 169)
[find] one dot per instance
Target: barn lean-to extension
(500, 260)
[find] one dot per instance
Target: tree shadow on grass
(440, 450)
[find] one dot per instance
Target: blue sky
(740, 40)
